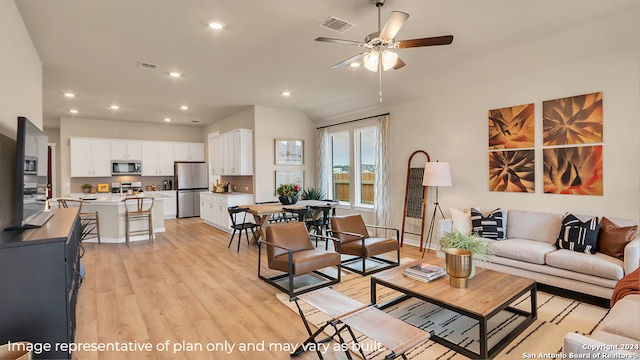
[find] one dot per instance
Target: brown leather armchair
(289, 250)
(355, 240)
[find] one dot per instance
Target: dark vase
(288, 200)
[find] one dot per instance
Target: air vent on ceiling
(146, 66)
(336, 24)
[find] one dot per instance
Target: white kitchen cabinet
(157, 158)
(126, 150)
(213, 208)
(188, 151)
(90, 157)
(232, 153)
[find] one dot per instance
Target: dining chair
(235, 212)
(89, 221)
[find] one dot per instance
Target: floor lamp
(436, 174)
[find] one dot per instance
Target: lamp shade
(437, 174)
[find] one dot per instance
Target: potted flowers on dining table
(288, 193)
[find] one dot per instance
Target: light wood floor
(185, 287)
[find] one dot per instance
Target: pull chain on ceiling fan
(378, 57)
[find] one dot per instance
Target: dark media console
(40, 278)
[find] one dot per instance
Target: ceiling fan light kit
(378, 56)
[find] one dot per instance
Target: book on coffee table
(424, 271)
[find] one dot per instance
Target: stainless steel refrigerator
(191, 179)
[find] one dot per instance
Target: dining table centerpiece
(288, 193)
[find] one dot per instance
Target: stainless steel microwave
(126, 167)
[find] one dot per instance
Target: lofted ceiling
(93, 47)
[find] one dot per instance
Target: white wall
(20, 71)
(450, 120)
(271, 124)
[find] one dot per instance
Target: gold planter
(458, 262)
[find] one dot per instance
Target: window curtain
(382, 182)
(323, 161)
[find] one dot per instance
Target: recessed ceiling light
(175, 74)
(216, 25)
(184, 107)
(73, 111)
(69, 94)
(355, 64)
(286, 93)
(167, 119)
(114, 107)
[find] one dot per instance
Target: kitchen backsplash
(77, 182)
(243, 184)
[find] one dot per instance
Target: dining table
(263, 212)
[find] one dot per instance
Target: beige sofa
(529, 251)
(616, 337)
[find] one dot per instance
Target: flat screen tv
(31, 174)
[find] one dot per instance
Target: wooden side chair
(138, 209)
(356, 241)
(290, 251)
(240, 225)
(89, 221)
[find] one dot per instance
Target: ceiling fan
(379, 56)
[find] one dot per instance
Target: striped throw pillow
(576, 235)
(490, 227)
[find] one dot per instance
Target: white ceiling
(92, 48)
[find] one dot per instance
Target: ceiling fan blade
(430, 41)
(339, 41)
(393, 25)
(349, 60)
(399, 64)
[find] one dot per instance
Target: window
(353, 166)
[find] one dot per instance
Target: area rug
(556, 317)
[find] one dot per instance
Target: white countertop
(108, 198)
(225, 194)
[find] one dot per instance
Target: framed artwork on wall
(573, 170)
(289, 152)
(512, 171)
(295, 177)
(511, 127)
(572, 120)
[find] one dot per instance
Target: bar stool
(136, 209)
(89, 221)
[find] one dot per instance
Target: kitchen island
(111, 211)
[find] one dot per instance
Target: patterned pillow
(579, 236)
(490, 227)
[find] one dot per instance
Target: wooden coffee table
(487, 294)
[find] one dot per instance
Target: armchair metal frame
(362, 258)
(291, 275)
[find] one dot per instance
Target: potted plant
(86, 188)
(312, 193)
(288, 193)
(478, 246)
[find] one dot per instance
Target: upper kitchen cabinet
(231, 153)
(157, 158)
(90, 157)
(188, 151)
(126, 150)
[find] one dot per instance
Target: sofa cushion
(577, 235)
(520, 249)
(489, 226)
(623, 319)
(461, 220)
(613, 238)
(532, 225)
(597, 264)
